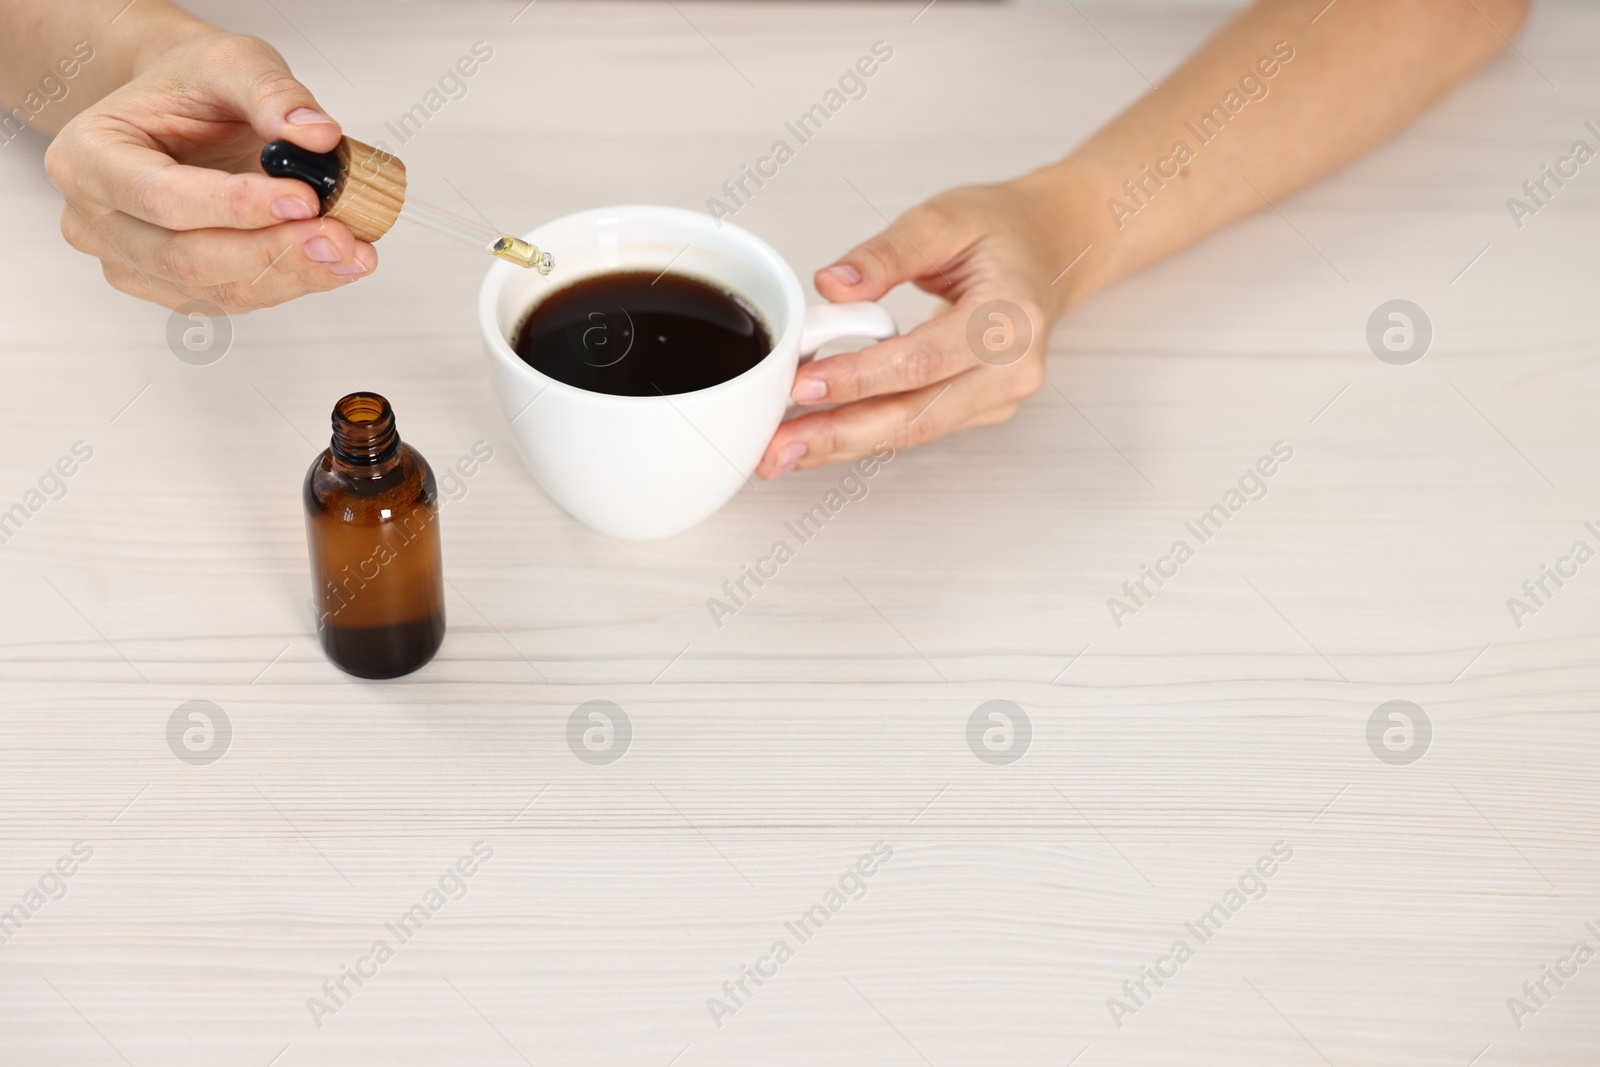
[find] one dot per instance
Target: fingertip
(845, 273)
(338, 233)
(782, 459)
(305, 116)
(311, 129)
(839, 281)
(325, 242)
(362, 262)
(790, 454)
(294, 207)
(319, 139)
(321, 249)
(809, 389)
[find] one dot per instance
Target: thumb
(255, 82)
(909, 250)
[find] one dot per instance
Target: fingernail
(321, 250)
(305, 116)
(355, 266)
(790, 454)
(844, 272)
(290, 208)
(809, 390)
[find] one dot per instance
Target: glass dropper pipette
(420, 213)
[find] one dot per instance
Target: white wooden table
(1166, 756)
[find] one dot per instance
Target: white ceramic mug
(652, 466)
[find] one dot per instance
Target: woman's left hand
(994, 253)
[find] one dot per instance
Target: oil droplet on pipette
(523, 254)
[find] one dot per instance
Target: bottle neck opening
(364, 433)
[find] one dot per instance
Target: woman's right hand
(163, 183)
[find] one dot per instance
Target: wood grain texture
(832, 712)
(371, 189)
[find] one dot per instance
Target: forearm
(102, 43)
(1269, 104)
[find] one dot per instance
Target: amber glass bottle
(372, 522)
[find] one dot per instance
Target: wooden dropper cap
(361, 186)
(371, 189)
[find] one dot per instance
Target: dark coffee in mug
(642, 334)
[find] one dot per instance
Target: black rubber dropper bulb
(320, 170)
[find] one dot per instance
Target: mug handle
(830, 322)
